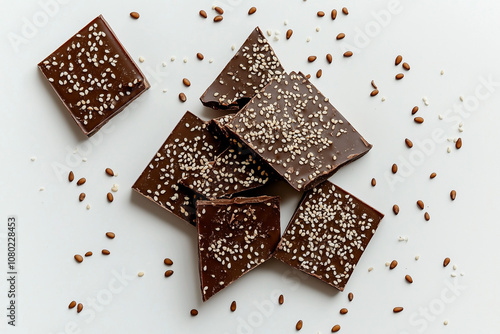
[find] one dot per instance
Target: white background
(459, 37)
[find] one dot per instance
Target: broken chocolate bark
(328, 233)
(234, 237)
(248, 72)
(188, 149)
(296, 130)
(94, 76)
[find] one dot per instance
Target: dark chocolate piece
(293, 127)
(94, 76)
(235, 170)
(248, 72)
(188, 149)
(328, 234)
(219, 125)
(234, 237)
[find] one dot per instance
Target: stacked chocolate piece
(282, 128)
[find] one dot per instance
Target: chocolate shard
(187, 149)
(328, 233)
(296, 130)
(94, 76)
(234, 236)
(235, 170)
(248, 72)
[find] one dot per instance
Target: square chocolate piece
(188, 149)
(296, 130)
(328, 234)
(247, 73)
(234, 237)
(94, 76)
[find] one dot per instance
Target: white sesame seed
(140, 273)
(141, 59)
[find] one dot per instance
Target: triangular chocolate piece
(234, 237)
(247, 73)
(328, 234)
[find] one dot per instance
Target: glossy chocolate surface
(296, 130)
(252, 67)
(328, 233)
(234, 237)
(93, 75)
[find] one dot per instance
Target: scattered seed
(427, 216)
(186, 82)
(350, 296)
(105, 252)
(348, 54)
(414, 110)
(182, 97)
(446, 262)
(393, 264)
(89, 253)
(110, 172)
(420, 204)
(78, 258)
(219, 10)
(194, 312)
(233, 306)
(370, 269)
(81, 181)
(168, 262)
(169, 273)
(79, 307)
(71, 176)
(394, 168)
(110, 235)
(72, 305)
(406, 66)
(335, 328)
(343, 311)
(418, 120)
(311, 58)
(110, 197)
(458, 144)
(409, 279)
(395, 209)
(141, 59)
(140, 273)
(289, 33)
(319, 73)
(399, 76)
(433, 175)
(398, 60)
(409, 143)
(345, 11)
(299, 324)
(81, 197)
(374, 182)
(114, 188)
(397, 309)
(340, 36)
(88, 206)
(374, 85)
(321, 13)
(417, 257)
(445, 322)
(281, 299)
(199, 56)
(453, 195)
(374, 92)
(252, 10)
(218, 18)
(334, 14)
(134, 15)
